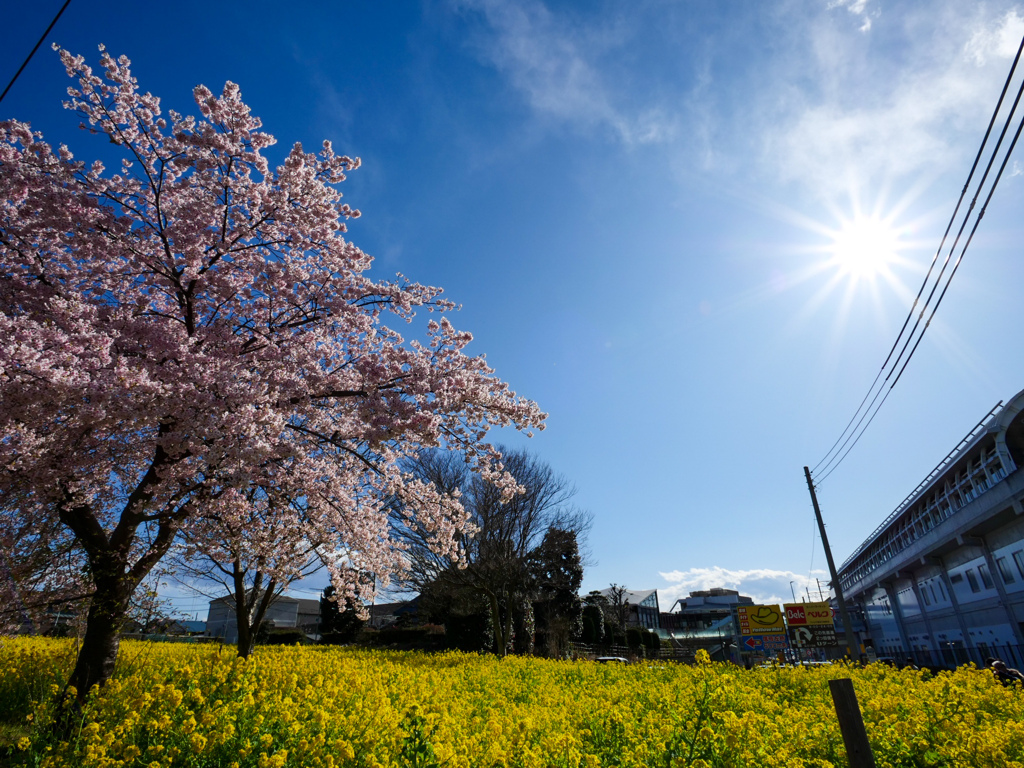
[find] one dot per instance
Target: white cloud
(765, 585)
(553, 64)
(1000, 40)
(857, 8)
(812, 100)
(871, 117)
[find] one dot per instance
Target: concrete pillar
(968, 642)
(997, 579)
(932, 640)
(897, 612)
(1004, 453)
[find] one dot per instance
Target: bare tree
(618, 601)
(492, 562)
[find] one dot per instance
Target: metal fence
(667, 651)
(954, 656)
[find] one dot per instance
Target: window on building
(972, 580)
(956, 578)
(1018, 559)
(932, 590)
(986, 577)
(1004, 571)
(924, 596)
(942, 589)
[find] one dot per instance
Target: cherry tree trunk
(98, 654)
(496, 626)
(243, 620)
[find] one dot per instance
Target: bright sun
(864, 247)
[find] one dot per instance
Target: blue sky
(638, 206)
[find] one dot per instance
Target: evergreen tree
(557, 572)
(338, 625)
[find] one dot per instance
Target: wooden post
(858, 750)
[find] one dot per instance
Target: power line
(859, 436)
(959, 234)
(935, 258)
(970, 237)
(857, 425)
(855, 435)
(33, 53)
(829, 458)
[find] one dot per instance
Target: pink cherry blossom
(193, 325)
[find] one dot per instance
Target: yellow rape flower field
(182, 705)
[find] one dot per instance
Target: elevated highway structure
(942, 578)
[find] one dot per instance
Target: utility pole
(844, 615)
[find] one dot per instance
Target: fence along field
(177, 705)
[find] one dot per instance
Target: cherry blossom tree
(250, 560)
(193, 324)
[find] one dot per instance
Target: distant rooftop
(714, 592)
(716, 598)
(631, 596)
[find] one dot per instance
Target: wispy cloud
(763, 584)
(832, 97)
(554, 65)
(871, 117)
(997, 40)
(860, 9)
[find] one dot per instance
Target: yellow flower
(337, 706)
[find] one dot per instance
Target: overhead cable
(931, 267)
(970, 237)
(863, 417)
(33, 53)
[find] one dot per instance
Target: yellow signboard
(760, 620)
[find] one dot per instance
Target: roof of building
(714, 592)
(379, 610)
(304, 604)
(717, 598)
(631, 596)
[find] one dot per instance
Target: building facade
(704, 610)
(706, 619)
(942, 578)
(284, 611)
(640, 606)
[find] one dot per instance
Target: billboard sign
(764, 643)
(760, 620)
(809, 614)
(814, 636)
